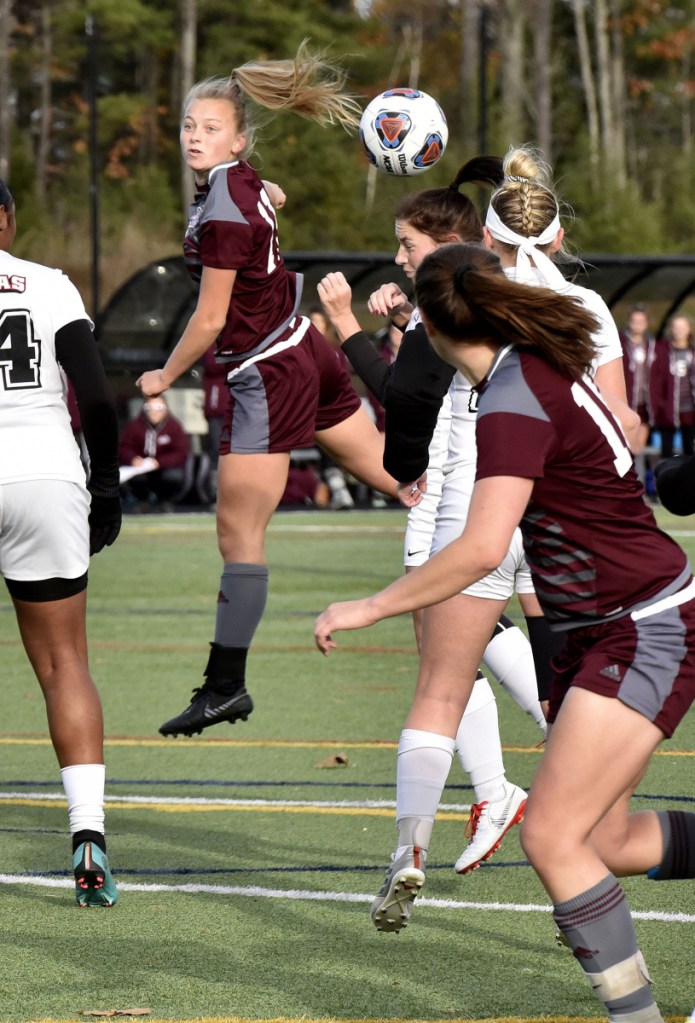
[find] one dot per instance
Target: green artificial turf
(276, 925)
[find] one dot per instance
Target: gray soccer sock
(678, 861)
(599, 930)
(240, 603)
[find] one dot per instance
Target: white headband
(526, 247)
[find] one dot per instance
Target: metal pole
(90, 30)
(482, 80)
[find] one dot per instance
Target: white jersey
(422, 518)
(606, 338)
(453, 452)
(461, 456)
(36, 439)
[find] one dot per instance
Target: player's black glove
(104, 522)
(675, 484)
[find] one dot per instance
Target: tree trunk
(618, 91)
(511, 44)
(6, 23)
(468, 71)
(605, 85)
(587, 75)
(541, 49)
(686, 106)
(45, 111)
(189, 34)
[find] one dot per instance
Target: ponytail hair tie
(517, 177)
(460, 274)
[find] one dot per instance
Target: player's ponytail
(309, 85)
(483, 170)
(446, 213)
(463, 293)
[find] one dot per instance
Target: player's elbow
(491, 552)
(213, 325)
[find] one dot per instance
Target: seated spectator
(340, 496)
(76, 424)
(304, 487)
(214, 407)
(387, 341)
(153, 452)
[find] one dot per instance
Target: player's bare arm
(275, 194)
(496, 508)
(610, 380)
(201, 331)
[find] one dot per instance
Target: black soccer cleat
(209, 707)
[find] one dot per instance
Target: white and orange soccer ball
(403, 131)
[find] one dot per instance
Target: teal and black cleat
(94, 885)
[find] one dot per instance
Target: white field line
(301, 895)
(367, 804)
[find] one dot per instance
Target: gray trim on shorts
(661, 648)
(250, 432)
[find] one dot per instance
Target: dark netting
(145, 318)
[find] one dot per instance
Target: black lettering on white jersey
(20, 351)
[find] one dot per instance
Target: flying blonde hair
(310, 84)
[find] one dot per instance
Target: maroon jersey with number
(233, 226)
(592, 543)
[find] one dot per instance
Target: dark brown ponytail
(464, 294)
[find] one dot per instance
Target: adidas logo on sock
(584, 953)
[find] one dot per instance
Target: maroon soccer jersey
(591, 541)
(233, 226)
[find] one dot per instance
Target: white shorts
(44, 530)
(513, 575)
(421, 523)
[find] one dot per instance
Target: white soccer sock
(424, 762)
(84, 789)
(479, 746)
(509, 657)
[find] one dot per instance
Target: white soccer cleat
(487, 826)
(391, 908)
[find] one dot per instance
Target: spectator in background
(673, 385)
(76, 423)
(639, 354)
(387, 342)
(304, 487)
(216, 399)
(153, 452)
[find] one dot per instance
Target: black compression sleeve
(77, 353)
(675, 484)
(412, 400)
(367, 363)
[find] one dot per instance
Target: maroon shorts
(279, 402)
(648, 664)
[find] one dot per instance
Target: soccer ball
(403, 131)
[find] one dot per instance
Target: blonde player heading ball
(287, 388)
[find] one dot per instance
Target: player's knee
(542, 839)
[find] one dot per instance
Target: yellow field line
(183, 744)
(345, 811)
